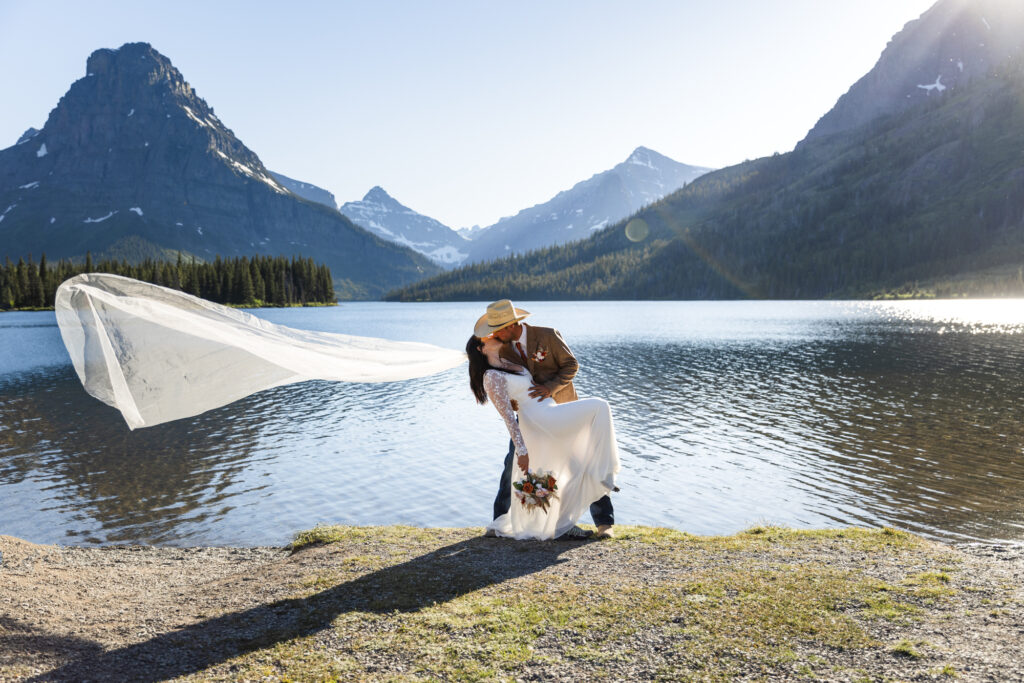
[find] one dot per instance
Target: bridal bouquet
(536, 490)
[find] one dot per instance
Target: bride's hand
(524, 462)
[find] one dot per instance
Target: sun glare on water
(966, 315)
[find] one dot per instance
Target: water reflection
(75, 454)
(728, 414)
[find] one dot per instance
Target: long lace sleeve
(496, 386)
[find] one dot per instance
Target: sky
(470, 111)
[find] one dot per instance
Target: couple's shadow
(436, 577)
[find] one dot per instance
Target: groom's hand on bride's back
(539, 392)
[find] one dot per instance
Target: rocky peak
(641, 155)
(130, 58)
(132, 105)
(28, 135)
(377, 195)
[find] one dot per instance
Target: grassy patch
(335, 533)
(930, 585)
(652, 603)
(947, 671)
(905, 648)
(883, 605)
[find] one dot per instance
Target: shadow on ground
(438, 576)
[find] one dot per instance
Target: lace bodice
(496, 384)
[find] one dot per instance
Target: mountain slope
(951, 44)
(384, 216)
(306, 190)
(590, 205)
(132, 155)
(933, 193)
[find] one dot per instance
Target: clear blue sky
(469, 111)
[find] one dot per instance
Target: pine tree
(258, 286)
(245, 292)
(35, 297)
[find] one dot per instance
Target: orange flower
(527, 487)
(551, 482)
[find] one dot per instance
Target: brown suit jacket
(549, 360)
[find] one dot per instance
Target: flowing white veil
(157, 354)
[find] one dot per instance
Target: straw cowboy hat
(499, 315)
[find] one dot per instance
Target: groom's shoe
(575, 534)
(605, 531)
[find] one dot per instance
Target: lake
(729, 414)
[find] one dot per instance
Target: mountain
(132, 162)
(921, 199)
(383, 215)
(306, 190)
(951, 44)
(590, 205)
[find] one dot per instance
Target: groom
(543, 352)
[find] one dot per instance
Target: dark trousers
(601, 509)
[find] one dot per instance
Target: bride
(575, 442)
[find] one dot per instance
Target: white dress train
(574, 441)
(157, 354)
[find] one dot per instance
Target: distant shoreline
(880, 297)
(243, 306)
(385, 602)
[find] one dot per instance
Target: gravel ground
(157, 613)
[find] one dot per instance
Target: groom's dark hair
(478, 365)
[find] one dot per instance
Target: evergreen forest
(241, 281)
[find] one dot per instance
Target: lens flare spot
(637, 230)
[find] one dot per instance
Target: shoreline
(406, 603)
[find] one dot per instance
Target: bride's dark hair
(478, 365)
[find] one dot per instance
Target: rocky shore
(399, 603)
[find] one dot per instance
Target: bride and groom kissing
(526, 372)
(157, 354)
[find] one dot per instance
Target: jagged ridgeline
(259, 281)
(925, 198)
(132, 163)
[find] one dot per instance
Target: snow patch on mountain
(245, 170)
(937, 85)
(383, 215)
(100, 219)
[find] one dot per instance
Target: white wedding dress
(574, 441)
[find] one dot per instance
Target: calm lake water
(729, 414)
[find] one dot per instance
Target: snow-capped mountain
(306, 190)
(643, 178)
(382, 214)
